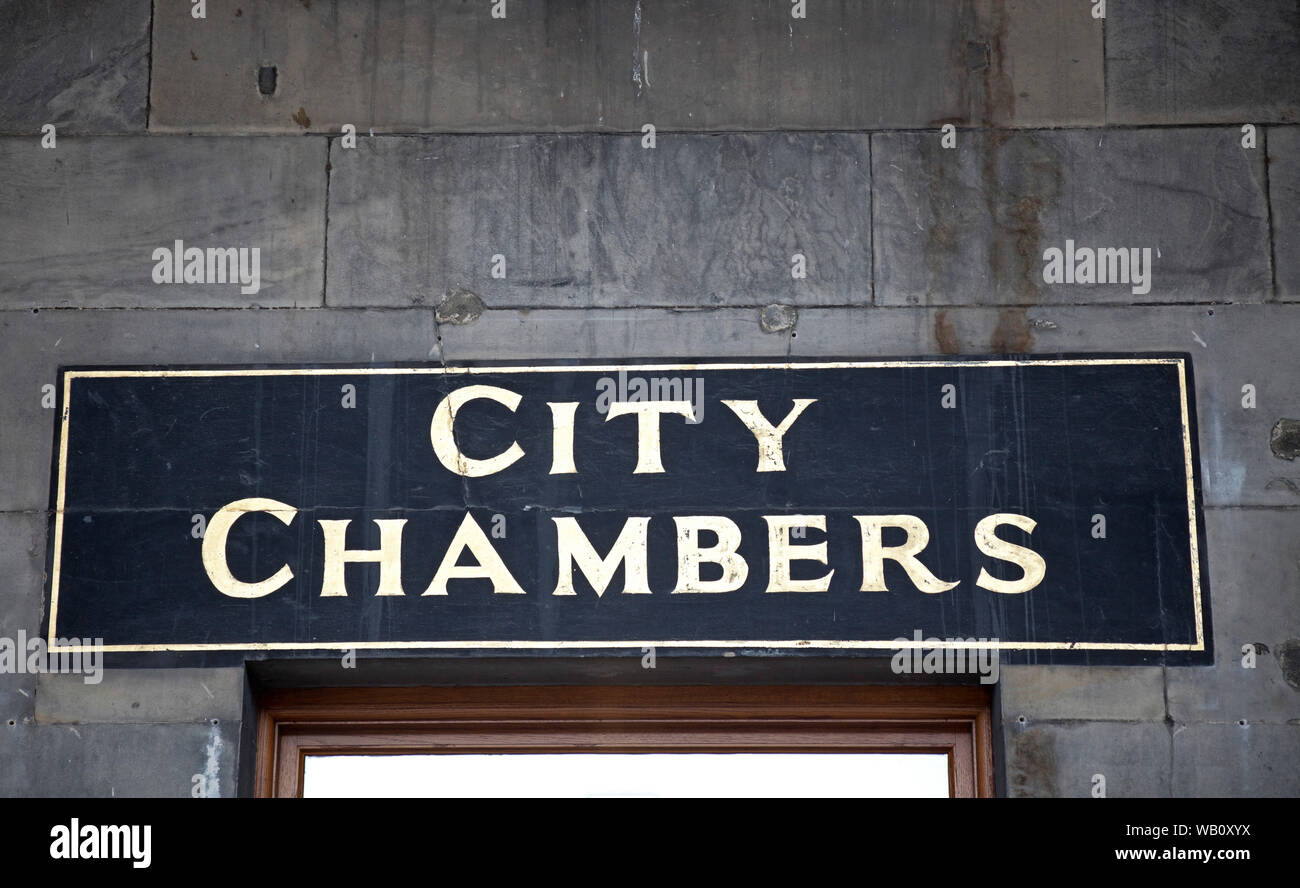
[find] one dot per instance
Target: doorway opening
(777, 740)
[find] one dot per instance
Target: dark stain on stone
(999, 93)
(1019, 186)
(544, 282)
(986, 92)
(570, 212)
(1020, 173)
(1012, 335)
(989, 97)
(266, 79)
(1032, 771)
(1284, 440)
(1288, 657)
(301, 118)
(991, 188)
(1027, 229)
(942, 170)
(945, 334)
(193, 56)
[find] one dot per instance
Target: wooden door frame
(689, 718)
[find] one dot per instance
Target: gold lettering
(689, 554)
(489, 564)
(647, 428)
(444, 439)
(1030, 562)
(629, 550)
(562, 437)
(337, 554)
(214, 548)
(874, 553)
(781, 552)
(771, 455)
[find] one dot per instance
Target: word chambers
(629, 551)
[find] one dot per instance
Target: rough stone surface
(142, 696)
(598, 220)
(1284, 440)
(22, 564)
(83, 67)
(1096, 693)
(1203, 61)
(778, 318)
(1288, 660)
(103, 760)
(79, 223)
(1284, 201)
(1044, 67)
(1232, 760)
(688, 65)
(1060, 759)
(611, 334)
(969, 225)
(1254, 562)
(459, 307)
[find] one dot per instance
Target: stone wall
(773, 135)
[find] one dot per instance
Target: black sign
(1047, 507)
